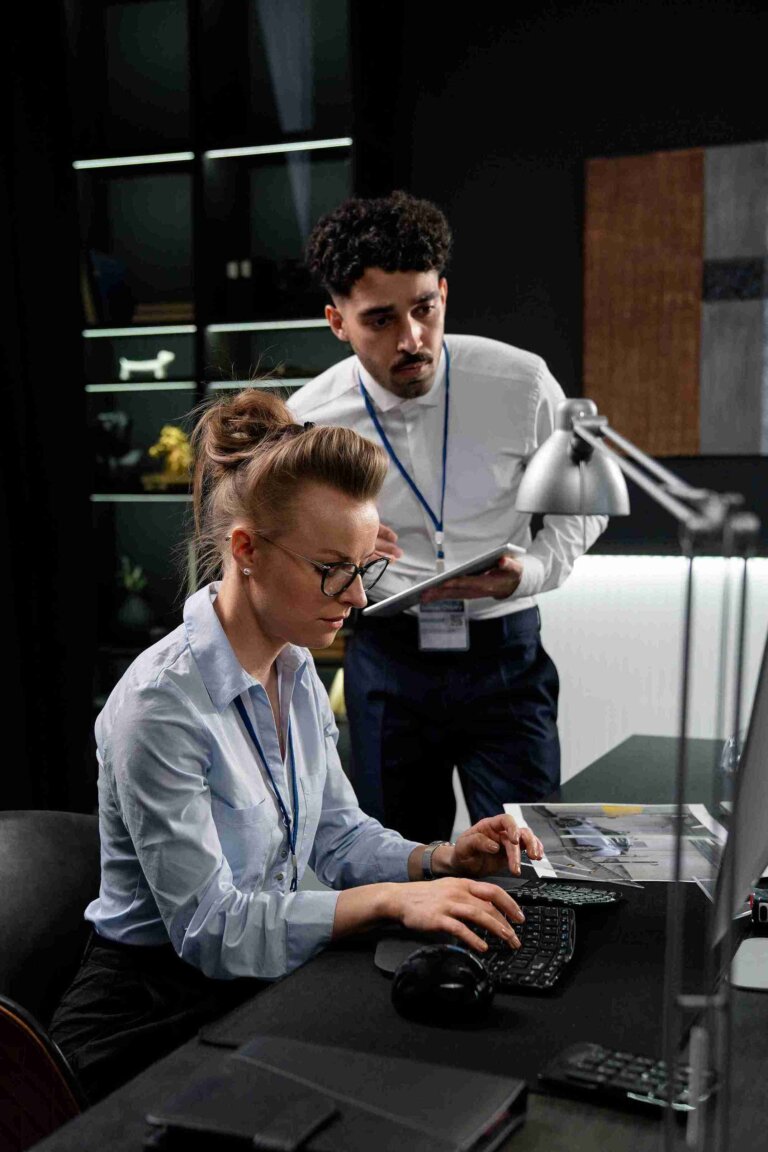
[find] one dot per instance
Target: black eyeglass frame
(354, 570)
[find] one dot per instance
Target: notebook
(288, 1095)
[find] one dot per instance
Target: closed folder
(286, 1095)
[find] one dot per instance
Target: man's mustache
(409, 361)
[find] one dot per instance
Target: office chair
(49, 871)
(38, 1091)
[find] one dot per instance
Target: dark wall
(491, 111)
(493, 117)
(46, 570)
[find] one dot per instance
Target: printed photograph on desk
(622, 843)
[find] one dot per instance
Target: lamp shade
(567, 476)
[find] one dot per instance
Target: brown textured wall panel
(642, 296)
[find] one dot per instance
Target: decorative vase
(134, 614)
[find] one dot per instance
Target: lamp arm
(678, 486)
(657, 491)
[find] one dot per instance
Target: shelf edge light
(285, 382)
(139, 498)
(146, 386)
(274, 149)
(124, 161)
(151, 330)
(266, 325)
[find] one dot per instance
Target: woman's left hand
(489, 845)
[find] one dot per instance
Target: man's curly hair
(396, 232)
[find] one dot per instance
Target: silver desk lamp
(575, 472)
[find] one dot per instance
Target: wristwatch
(426, 860)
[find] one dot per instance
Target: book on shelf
(88, 293)
(164, 312)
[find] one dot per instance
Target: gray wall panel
(736, 201)
(732, 391)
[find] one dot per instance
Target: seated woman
(219, 780)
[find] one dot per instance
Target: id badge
(444, 626)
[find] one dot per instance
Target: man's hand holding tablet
(495, 573)
(499, 583)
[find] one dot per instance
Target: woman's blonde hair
(250, 458)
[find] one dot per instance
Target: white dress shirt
(502, 403)
(192, 844)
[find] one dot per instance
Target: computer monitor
(746, 850)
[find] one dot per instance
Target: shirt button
(283, 853)
(280, 876)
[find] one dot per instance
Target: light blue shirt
(192, 844)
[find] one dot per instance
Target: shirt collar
(222, 673)
(385, 400)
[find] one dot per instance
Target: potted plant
(134, 614)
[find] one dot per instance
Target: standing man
(463, 680)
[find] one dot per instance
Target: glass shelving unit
(210, 136)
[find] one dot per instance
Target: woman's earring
(246, 571)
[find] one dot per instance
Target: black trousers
(491, 712)
(128, 1006)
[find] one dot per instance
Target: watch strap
(426, 859)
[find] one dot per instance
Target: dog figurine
(156, 367)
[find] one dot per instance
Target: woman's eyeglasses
(339, 575)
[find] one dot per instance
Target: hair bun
(251, 458)
(232, 427)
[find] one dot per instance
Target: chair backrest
(38, 1091)
(49, 872)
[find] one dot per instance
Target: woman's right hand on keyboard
(457, 905)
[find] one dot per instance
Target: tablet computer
(412, 595)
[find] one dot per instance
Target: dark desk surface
(552, 1124)
(641, 770)
(602, 1003)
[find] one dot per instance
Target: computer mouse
(442, 984)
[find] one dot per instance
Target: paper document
(622, 843)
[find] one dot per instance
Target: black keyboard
(557, 892)
(547, 940)
(624, 1079)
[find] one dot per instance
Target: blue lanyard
(291, 826)
(438, 522)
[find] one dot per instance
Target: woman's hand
(456, 905)
(486, 847)
(453, 903)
